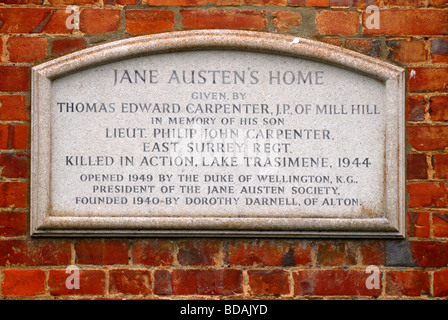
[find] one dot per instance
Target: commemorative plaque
(217, 133)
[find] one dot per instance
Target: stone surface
(129, 139)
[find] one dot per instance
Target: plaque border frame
(392, 225)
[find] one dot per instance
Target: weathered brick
(439, 50)
(23, 282)
(149, 21)
(35, 253)
(153, 252)
(337, 23)
(15, 165)
(27, 49)
(440, 224)
(309, 3)
(405, 3)
(162, 282)
(373, 253)
(224, 19)
(14, 78)
(407, 50)
(438, 109)
(426, 138)
(21, 1)
(101, 252)
(335, 254)
(415, 108)
(13, 194)
(438, 3)
(407, 283)
(371, 47)
(193, 3)
(207, 282)
(333, 282)
(441, 283)
(64, 46)
(409, 22)
(427, 79)
(417, 166)
(268, 282)
(344, 3)
(257, 252)
(417, 224)
(398, 254)
(286, 20)
(13, 136)
(127, 281)
(440, 165)
(91, 282)
(13, 224)
(198, 252)
(427, 195)
(430, 253)
(267, 2)
(74, 2)
(13, 107)
(99, 21)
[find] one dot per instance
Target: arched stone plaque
(217, 133)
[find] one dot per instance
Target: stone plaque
(217, 133)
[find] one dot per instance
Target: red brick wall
(412, 33)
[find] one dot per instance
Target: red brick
(426, 138)
(21, 1)
(99, 21)
(127, 281)
(27, 49)
(337, 23)
(441, 283)
(35, 253)
(23, 282)
(428, 79)
(335, 254)
(309, 3)
(15, 165)
(409, 22)
(207, 282)
(153, 252)
(427, 195)
(440, 224)
(417, 224)
(257, 252)
(268, 282)
(57, 24)
(415, 108)
(333, 283)
(440, 165)
(439, 50)
(366, 46)
(13, 107)
(64, 46)
(13, 136)
(188, 3)
(417, 166)
(13, 224)
(438, 3)
(407, 283)
(198, 252)
(91, 282)
(430, 253)
(372, 253)
(149, 21)
(13, 194)
(14, 78)
(267, 2)
(286, 20)
(438, 108)
(101, 252)
(407, 50)
(162, 282)
(224, 19)
(405, 3)
(332, 40)
(75, 2)
(344, 3)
